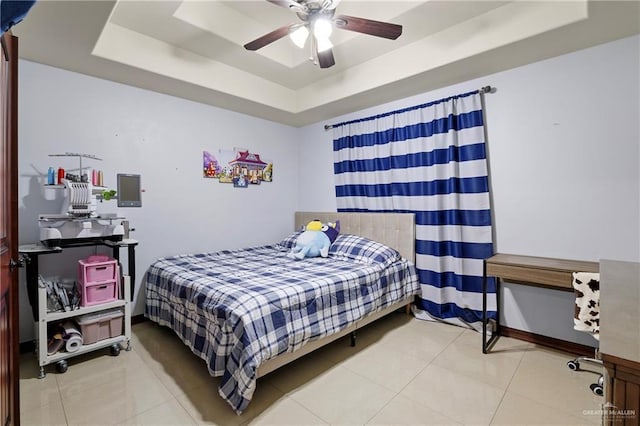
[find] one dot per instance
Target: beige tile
(116, 400)
(403, 411)
(206, 406)
(154, 337)
(52, 414)
(421, 339)
(286, 412)
(503, 346)
(385, 365)
(342, 397)
(457, 396)
(36, 392)
(173, 363)
(518, 410)
(180, 372)
(336, 384)
(302, 371)
(543, 376)
(495, 369)
(97, 368)
(167, 413)
(142, 326)
(377, 330)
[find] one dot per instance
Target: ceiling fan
(318, 20)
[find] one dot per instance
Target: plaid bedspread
(239, 308)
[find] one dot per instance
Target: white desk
(620, 338)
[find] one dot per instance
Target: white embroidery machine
(79, 222)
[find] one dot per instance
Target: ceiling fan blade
(268, 38)
(368, 26)
(326, 59)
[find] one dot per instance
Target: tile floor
(403, 371)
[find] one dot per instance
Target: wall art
(237, 166)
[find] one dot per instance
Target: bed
(248, 312)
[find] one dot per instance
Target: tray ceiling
(193, 49)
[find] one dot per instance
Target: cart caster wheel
(62, 366)
(597, 389)
(573, 365)
(115, 350)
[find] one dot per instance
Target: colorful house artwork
(232, 164)
(248, 165)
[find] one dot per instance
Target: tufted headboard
(396, 230)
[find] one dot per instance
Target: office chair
(586, 286)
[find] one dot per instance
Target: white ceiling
(193, 49)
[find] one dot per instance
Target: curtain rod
(482, 90)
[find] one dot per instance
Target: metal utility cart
(38, 299)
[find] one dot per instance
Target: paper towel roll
(72, 336)
(73, 343)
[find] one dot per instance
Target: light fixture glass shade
(299, 36)
(323, 43)
(322, 28)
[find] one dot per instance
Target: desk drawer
(558, 280)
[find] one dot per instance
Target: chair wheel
(62, 366)
(573, 365)
(597, 389)
(115, 350)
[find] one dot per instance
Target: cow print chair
(586, 287)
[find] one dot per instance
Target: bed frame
(396, 230)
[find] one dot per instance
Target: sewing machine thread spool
(51, 176)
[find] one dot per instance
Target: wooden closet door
(9, 327)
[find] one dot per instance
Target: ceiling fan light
(299, 36)
(323, 43)
(322, 28)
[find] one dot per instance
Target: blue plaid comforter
(239, 308)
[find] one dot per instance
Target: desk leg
(484, 308)
(487, 344)
(131, 264)
(32, 283)
(115, 250)
(132, 268)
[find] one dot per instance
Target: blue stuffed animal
(315, 240)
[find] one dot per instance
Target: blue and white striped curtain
(429, 160)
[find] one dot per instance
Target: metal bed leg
(353, 339)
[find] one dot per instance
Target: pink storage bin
(102, 292)
(96, 269)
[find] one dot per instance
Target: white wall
(162, 138)
(563, 142)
